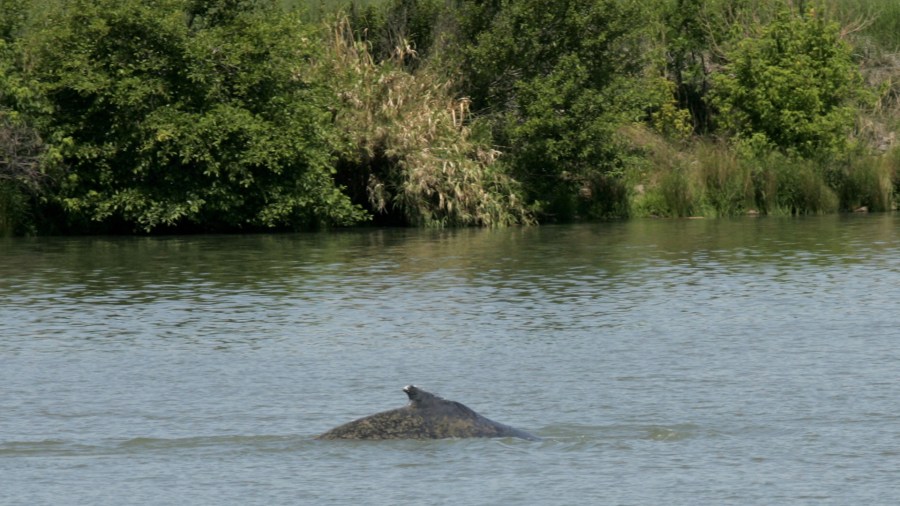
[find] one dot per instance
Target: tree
(199, 113)
(26, 162)
(792, 86)
(560, 79)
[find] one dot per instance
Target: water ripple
(662, 361)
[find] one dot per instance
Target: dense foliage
(208, 115)
(791, 85)
(198, 113)
(559, 79)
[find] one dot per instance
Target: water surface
(749, 361)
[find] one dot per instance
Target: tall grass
(790, 186)
(662, 181)
(877, 19)
(413, 141)
(728, 184)
(706, 178)
(867, 182)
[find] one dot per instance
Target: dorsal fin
(420, 398)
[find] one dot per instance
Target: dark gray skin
(427, 416)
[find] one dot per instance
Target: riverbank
(252, 117)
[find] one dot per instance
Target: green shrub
(792, 84)
(175, 113)
(558, 81)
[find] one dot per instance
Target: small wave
(674, 433)
(574, 437)
(260, 442)
(622, 433)
(45, 447)
(57, 447)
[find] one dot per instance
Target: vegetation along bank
(161, 116)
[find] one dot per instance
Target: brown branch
(20, 154)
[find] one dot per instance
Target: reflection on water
(115, 266)
(746, 361)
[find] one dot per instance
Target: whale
(426, 416)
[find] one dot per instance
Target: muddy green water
(752, 361)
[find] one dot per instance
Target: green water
(748, 361)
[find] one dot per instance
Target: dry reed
(438, 173)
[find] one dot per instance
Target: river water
(751, 361)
